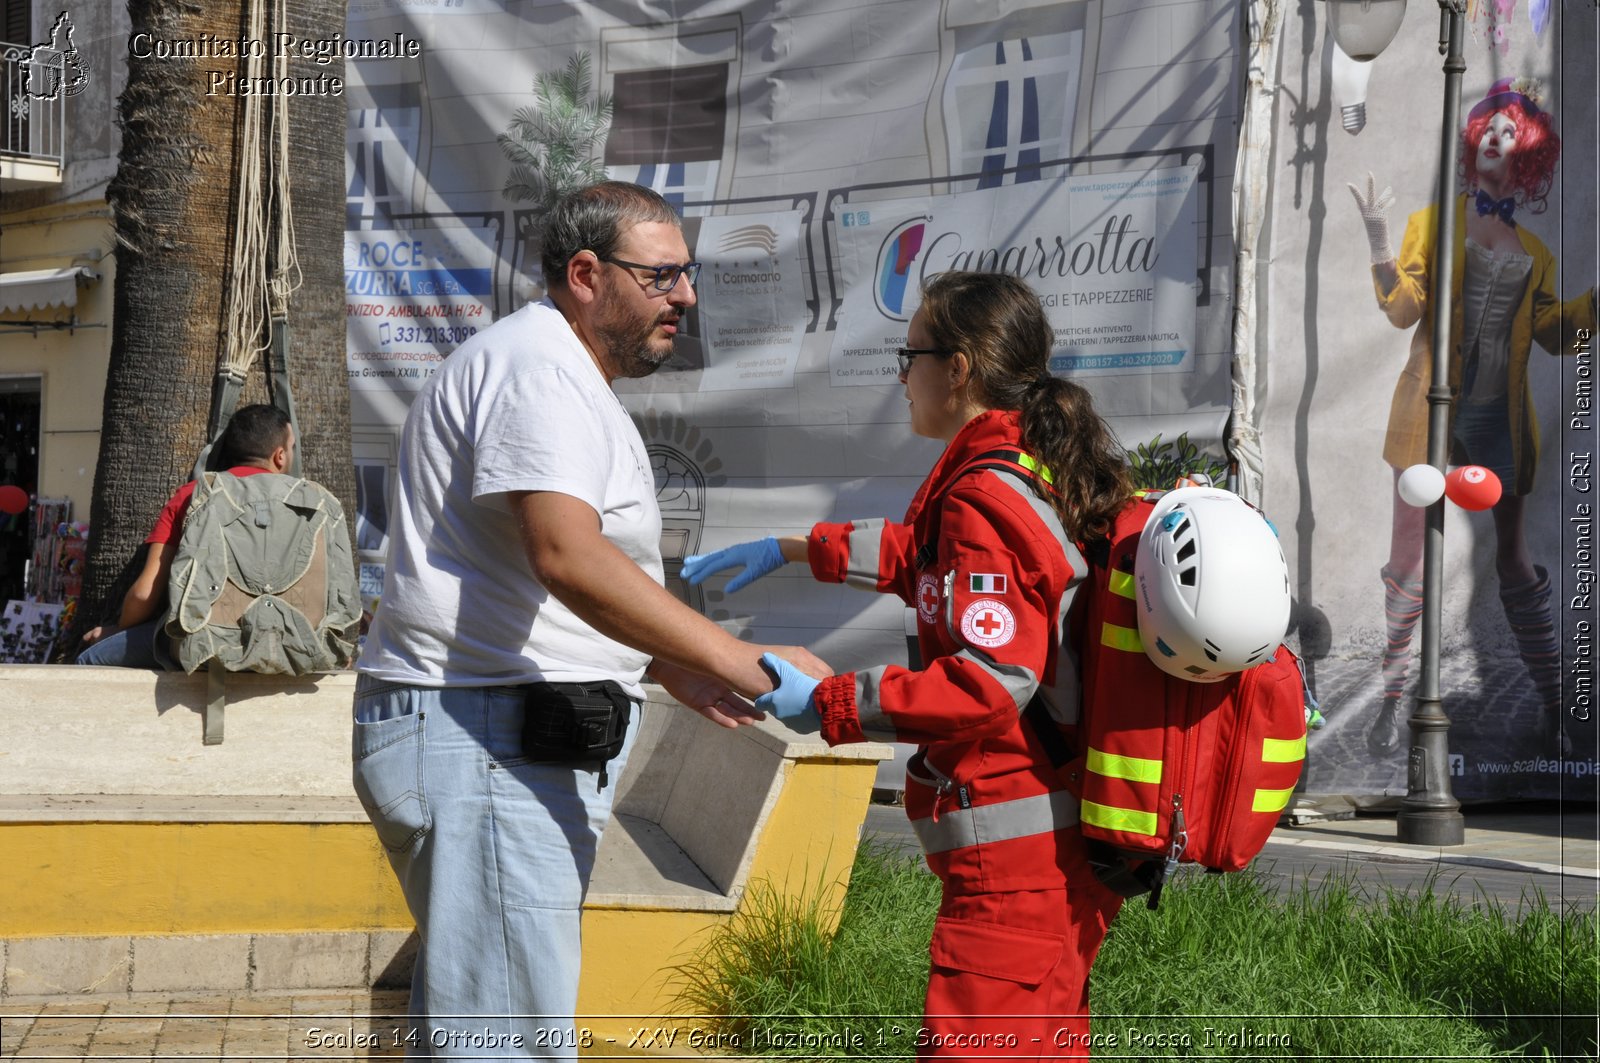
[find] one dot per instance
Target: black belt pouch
(575, 722)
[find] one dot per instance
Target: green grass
(1322, 971)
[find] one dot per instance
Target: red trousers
(1010, 974)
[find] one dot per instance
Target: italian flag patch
(986, 583)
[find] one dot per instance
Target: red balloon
(1472, 487)
(13, 499)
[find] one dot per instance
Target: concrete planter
(141, 861)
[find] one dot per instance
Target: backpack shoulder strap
(1012, 460)
(1002, 459)
(277, 358)
(225, 391)
(224, 399)
(1102, 579)
(216, 701)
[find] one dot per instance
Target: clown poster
(1359, 235)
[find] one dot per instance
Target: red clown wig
(1538, 148)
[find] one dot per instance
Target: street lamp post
(1430, 813)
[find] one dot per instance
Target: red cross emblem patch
(987, 622)
(928, 599)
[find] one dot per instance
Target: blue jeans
(494, 856)
(133, 647)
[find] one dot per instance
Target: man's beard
(628, 345)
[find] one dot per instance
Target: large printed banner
(1112, 258)
(826, 161)
(827, 157)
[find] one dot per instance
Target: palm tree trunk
(174, 198)
(316, 311)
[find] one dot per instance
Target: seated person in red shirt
(258, 439)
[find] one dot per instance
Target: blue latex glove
(792, 695)
(758, 558)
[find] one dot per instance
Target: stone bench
(140, 860)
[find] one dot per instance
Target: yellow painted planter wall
(85, 879)
(810, 841)
(806, 849)
(88, 879)
(116, 822)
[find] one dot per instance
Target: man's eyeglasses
(666, 277)
(905, 354)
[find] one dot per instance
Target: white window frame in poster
(1043, 46)
(369, 132)
(688, 44)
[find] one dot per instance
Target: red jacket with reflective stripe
(991, 604)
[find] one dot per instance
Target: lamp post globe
(1364, 28)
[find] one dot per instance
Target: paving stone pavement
(230, 1027)
(311, 1026)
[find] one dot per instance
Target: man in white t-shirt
(524, 589)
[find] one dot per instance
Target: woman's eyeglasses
(905, 354)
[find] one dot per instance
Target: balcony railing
(34, 84)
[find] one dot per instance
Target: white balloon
(1421, 485)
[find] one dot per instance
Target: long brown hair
(996, 320)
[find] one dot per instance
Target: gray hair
(595, 218)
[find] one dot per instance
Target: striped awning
(41, 289)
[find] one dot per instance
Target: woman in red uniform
(987, 557)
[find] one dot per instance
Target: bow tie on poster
(1506, 207)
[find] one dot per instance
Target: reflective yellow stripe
(1121, 583)
(1283, 750)
(1130, 820)
(1031, 463)
(1121, 638)
(1134, 769)
(1271, 800)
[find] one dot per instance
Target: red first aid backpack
(1166, 771)
(1170, 771)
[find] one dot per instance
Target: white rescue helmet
(1213, 587)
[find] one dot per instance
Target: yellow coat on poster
(1541, 316)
